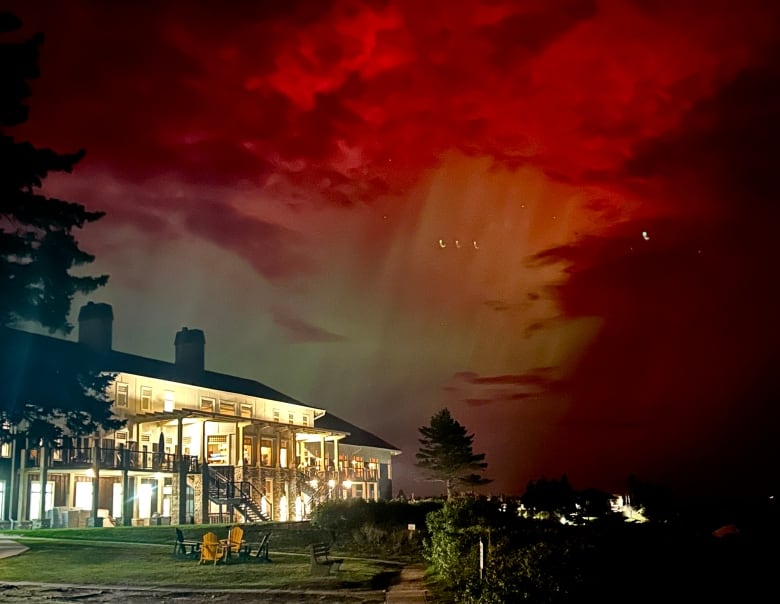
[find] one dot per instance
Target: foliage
(37, 245)
(446, 453)
(376, 527)
(556, 497)
(46, 397)
(38, 251)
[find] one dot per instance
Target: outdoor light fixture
(331, 483)
(314, 483)
(347, 484)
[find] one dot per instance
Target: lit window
(170, 400)
(291, 418)
(249, 447)
(207, 404)
(121, 394)
(217, 449)
(246, 409)
(305, 420)
(5, 450)
(266, 452)
(146, 398)
(227, 408)
(276, 415)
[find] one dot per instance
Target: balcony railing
(353, 474)
(116, 459)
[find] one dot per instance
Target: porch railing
(116, 459)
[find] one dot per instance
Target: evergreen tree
(37, 245)
(38, 250)
(446, 453)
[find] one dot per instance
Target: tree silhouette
(446, 453)
(38, 250)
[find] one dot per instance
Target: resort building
(196, 446)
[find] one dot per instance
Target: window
(248, 450)
(207, 404)
(35, 498)
(56, 453)
(83, 498)
(290, 418)
(283, 454)
(266, 452)
(5, 450)
(217, 449)
(121, 394)
(170, 400)
(146, 398)
(246, 410)
(227, 408)
(276, 415)
(357, 466)
(305, 420)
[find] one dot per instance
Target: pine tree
(37, 245)
(38, 250)
(446, 453)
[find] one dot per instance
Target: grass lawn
(142, 557)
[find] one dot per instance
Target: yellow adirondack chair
(211, 549)
(234, 542)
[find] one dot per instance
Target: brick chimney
(190, 352)
(96, 326)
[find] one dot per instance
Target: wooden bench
(257, 547)
(321, 562)
(185, 547)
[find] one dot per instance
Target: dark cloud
(477, 390)
(301, 331)
(269, 247)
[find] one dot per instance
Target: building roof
(356, 435)
(33, 350)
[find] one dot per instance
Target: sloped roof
(356, 435)
(28, 349)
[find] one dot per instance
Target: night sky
(558, 219)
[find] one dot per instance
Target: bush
(378, 528)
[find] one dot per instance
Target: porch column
(323, 467)
(43, 477)
(182, 472)
(336, 462)
(95, 481)
(24, 490)
(127, 500)
(12, 507)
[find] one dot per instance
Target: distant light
(441, 243)
(314, 483)
(476, 247)
(457, 244)
(347, 484)
(331, 483)
(645, 236)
